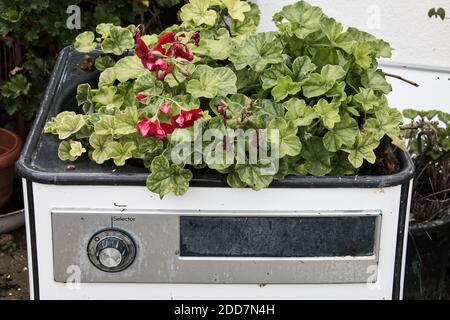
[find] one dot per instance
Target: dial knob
(111, 250)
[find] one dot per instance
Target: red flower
(155, 60)
(180, 50)
(165, 108)
(153, 128)
(141, 97)
(186, 119)
(195, 38)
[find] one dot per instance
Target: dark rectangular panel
(277, 236)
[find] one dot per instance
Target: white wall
(421, 43)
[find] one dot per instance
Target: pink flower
(141, 97)
(186, 119)
(153, 128)
(166, 107)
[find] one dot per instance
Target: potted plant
(429, 231)
(299, 115)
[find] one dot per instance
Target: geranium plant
(310, 95)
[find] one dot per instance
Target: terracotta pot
(10, 147)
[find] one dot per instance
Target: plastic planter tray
(99, 228)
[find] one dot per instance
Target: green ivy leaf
(120, 153)
(125, 69)
(209, 82)
(236, 8)
(343, 134)
(328, 113)
(285, 86)
(70, 150)
(69, 124)
(271, 75)
(258, 51)
(385, 122)
(105, 125)
(197, 13)
(362, 149)
(367, 99)
(107, 96)
(125, 122)
(234, 181)
(288, 142)
(318, 159)
(318, 84)
(253, 175)
(104, 62)
(362, 52)
(84, 42)
(84, 98)
(104, 29)
(302, 67)
(303, 19)
(100, 144)
(245, 27)
(299, 113)
(336, 37)
(166, 178)
(375, 80)
(148, 84)
(119, 40)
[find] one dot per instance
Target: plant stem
(401, 78)
(225, 23)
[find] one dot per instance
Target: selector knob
(111, 250)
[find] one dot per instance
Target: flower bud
(141, 97)
(165, 108)
(186, 73)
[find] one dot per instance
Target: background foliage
(39, 27)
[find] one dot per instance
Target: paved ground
(13, 266)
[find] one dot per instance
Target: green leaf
(209, 82)
(125, 69)
(318, 159)
(148, 84)
(343, 134)
(119, 40)
(69, 124)
(125, 122)
(285, 86)
(367, 99)
(120, 153)
(362, 52)
(253, 175)
(328, 113)
(258, 51)
(362, 149)
(287, 140)
(70, 150)
(166, 178)
(104, 29)
(336, 37)
(234, 181)
(104, 62)
(245, 27)
(107, 96)
(100, 144)
(197, 13)
(105, 125)
(299, 113)
(318, 84)
(375, 80)
(236, 8)
(303, 19)
(302, 67)
(84, 42)
(271, 75)
(84, 98)
(385, 122)
(11, 15)
(217, 49)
